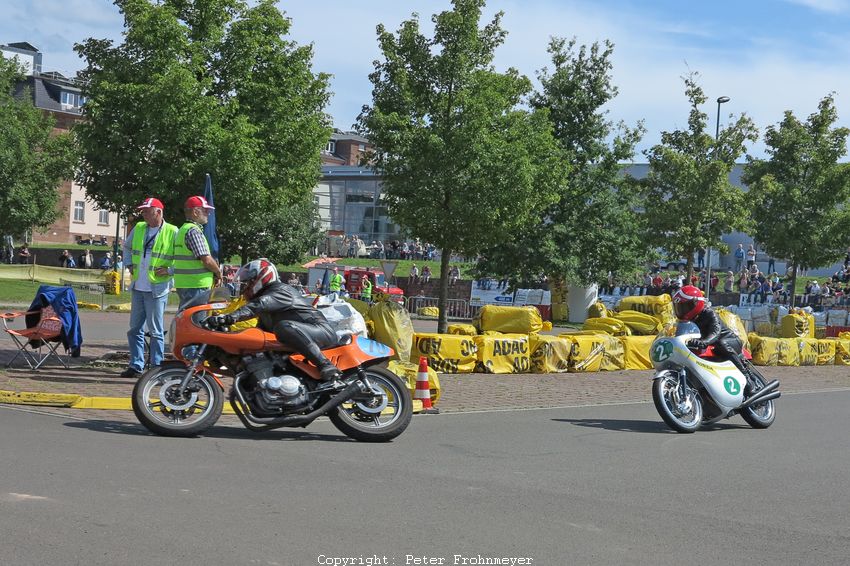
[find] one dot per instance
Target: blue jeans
(187, 295)
(146, 310)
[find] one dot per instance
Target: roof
(339, 135)
(46, 94)
(347, 171)
(23, 46)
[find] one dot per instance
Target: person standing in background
(739, 258)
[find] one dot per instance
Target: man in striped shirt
(195, 270)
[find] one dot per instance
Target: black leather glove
(697, 344)
(220, 320)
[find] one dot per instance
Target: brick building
(344, 149)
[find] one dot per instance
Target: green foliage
(799, 195)
(464, 166)
(595, 226)
(690, 201)
(207, 86)
(33, 160)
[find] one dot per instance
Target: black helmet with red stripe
(256, 276)
(688, 302)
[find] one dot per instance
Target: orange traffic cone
(423, 388)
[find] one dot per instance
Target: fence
(459, 309)
(87, 292)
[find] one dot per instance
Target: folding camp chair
(43, 338)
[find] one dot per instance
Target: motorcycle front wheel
(378, 416)
(682, 415)
(760, 415)
(159, 406)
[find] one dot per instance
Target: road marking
(27, 497)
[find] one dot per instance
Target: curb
(71, 401)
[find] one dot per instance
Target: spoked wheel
(378, 416)
(161, 408)
(681, 413)
(760, 415)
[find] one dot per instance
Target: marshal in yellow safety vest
(366, 290)
(161, 254)
(189, 271)
(336, 282)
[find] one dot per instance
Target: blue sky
(767, 55)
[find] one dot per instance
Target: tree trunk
(690, 270)
(442, 321)
(793, 301)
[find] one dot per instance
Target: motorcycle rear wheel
(378, 418)
(760, 415)
(161, 411)
(663, 389)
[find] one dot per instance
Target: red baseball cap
(151, 203)
(198, 202)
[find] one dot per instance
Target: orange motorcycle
(273, 387)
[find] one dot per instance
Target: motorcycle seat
(709, 356)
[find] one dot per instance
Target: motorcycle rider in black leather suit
(689, 304)
(282, 309)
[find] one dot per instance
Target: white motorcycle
(691, 390)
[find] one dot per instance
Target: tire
(661, 390)
(204, 411)
(353, 419)
(760, 415)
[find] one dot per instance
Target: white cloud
(827, 6)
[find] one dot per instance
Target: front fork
(193, 363)
(683, 384)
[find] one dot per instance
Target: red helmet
(256, 276)
(688, 302)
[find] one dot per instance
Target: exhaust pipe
(767, 393)
(268, 423)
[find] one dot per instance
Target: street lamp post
(720, 100)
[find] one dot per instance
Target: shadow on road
(624, 425)
(135, 429)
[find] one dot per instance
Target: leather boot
(327, 370)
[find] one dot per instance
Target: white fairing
(723, 381)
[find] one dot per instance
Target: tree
(595, 226)
(464, 166)
(799, 196)
(33, 159)
(690, 201)
(207, 86)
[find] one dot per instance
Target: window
(82, 100)
(103, 217)
(331, 147)
(362, 147)
(361, 191)
(69, 98)
(79, 211)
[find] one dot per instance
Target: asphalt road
(593, 485)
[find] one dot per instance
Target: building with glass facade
(349, 202)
